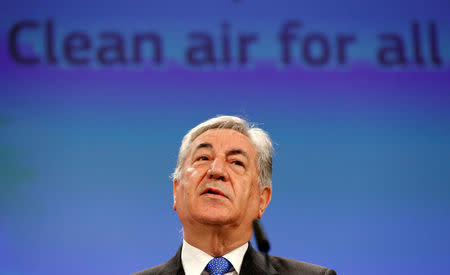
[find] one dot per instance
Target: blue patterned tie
(218, 266)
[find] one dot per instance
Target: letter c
(13, 35)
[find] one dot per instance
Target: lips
(211, 191)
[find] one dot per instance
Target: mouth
(213, 192)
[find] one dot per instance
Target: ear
(175, 186)
(264, 199)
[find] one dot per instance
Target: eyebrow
(203, 145)
(230, 152)
(238, 152)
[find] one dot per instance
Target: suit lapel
(254, 263)
(174, 265)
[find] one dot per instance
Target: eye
(202, 158)
(238, 162)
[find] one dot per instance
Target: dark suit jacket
(252, 264)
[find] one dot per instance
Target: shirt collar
(195, 260)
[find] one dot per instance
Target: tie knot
(218, 266)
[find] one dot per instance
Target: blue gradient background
(362, 155)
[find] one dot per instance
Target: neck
(216, 240)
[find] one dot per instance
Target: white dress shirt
(194, 260)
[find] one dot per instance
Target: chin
(215, 218)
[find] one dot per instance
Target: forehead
(225, 139)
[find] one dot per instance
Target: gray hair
(257, 136)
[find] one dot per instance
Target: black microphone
(262, 241)
(261, 238)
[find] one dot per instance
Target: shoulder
(173, 266)
(160, 269)
(254, 262)
(289, 266)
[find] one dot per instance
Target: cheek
(190, 173)
(253, 193)
(189, 180)
(246, 191)
(190, 170)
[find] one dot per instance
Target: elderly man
(222, 182)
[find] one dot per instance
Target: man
(222, 182)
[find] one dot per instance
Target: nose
(217, 170)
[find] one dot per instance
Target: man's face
(219, 181)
